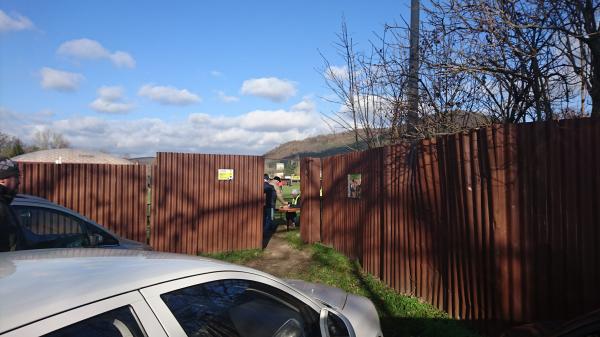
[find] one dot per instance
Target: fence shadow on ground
(393, 324)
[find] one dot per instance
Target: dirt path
(281, 259)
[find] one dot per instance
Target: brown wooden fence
(354, 225)
(192, 210)
(310, 185)
(195, 212)
(111, 195)
(498, 225)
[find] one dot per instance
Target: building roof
(71, 156)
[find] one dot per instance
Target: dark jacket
(11, 237)
(270, 195)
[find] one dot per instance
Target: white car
(127, 293)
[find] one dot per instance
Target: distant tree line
(11, 146)
(481, 62)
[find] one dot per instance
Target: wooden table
(286, 210)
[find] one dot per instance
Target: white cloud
(114, 93)
(199, 118)
(307, 105)
(216, 73)
(60, 80)
(45, 113)
(301, 116)
(110, 100)
(252, 133)
(16, 23)
(271, 88)
(81, 126)
(277, 120)
(227, 99)
(168, 95)
(122, 59)
(23, 125)
(365, 105)
(10, 121)
(369, 104)
(87, 49)
(83, 49)
(336, 73)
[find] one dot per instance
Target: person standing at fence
(269, 207)
(276, 182)
(11, 237)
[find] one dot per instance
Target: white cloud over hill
(254, 132)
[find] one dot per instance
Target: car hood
(359, 310)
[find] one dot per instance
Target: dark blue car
(45, 224)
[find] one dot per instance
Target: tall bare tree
(376, 95)
(413, 62)
(48, 139)
(510, 54)
(480, 61)
(360, 91)
(577, 23)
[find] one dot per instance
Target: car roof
(36, 284)
(28, 197)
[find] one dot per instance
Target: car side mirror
(333, 325)
(95, 239)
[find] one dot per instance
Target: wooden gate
(310, 185)
(199, 208)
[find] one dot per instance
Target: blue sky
(137, 77)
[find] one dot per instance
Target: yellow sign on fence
(225, 174)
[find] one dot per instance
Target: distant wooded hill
(318, 146)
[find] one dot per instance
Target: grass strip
(400, 315)
(238, 257)
(294, 239)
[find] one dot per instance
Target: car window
(45, 228)
(48, 228)
(99, 237)
(240, 308)
(42, 221)
(120, 322)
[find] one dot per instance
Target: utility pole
(413, 63)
